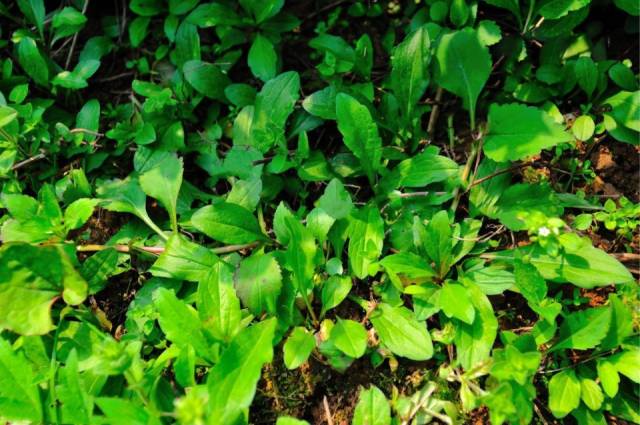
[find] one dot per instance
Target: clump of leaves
(190, 188)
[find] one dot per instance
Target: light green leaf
(88, 118)
(421, 170)
(360, 133)
(372, 408)
(162, 181)
(300, 256)
(335, 200)
(621, 324)
(234, 378)
(246, 193)
(366, 237)
(258, 282)
(98, 268)
(531, 284)
(322, 103)
(288, 420)
(591, 393)
(463, 65)
(625, 109)
(76, 403)
(7, 115)
(184, 260)
(218, 304)
(67, 22)
(350, 337)
(32, 61)
(78, 212)
(227, 223)
(583, 127)
(262, 58)
(564, 393)
(584, 329)
(438, 242)
(555, 9)
(298, 347)
(627, 363)
(609, 378)
(455, 302)
(399, 331)
(30, 278)
(334, 291)
(519, 131)
(410, 70)
(19, 394)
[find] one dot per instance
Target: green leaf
(405, 267)
(127, 196)
(32, 61)
(531, 284)
(399, 331)
(564, 393)
(463, 65)
(76, 403)
(262, 59)
(474, 342)
(206, 78)
(627, 364)
(262, 9)
(584, 329)
(120, 411)
(335, 200)
(350, 337)
(438, 242)
(421, 170)
(519, 131)
(88, 118)
(621, 324)
(7, 115)
(591, 393)
(258, 282)
(274, 104)
(455, 302)
(184, 260)
(67, 22)
(98, 268)
(625, 109)
(218, 304)
(34, 11)
(360, 133)
(187, 44)
(179, 322)
(410, 70)
(366, 237)
(162, 181)
(246, 193)
(300, 256)
(583, 127)
(78, 212)
(31, 277)
(288, 420)
(227, 223)
(555, 9)
(609, 378)
(212, 14)
(587, 73)
(372, 408)
(19, 394)
(298, 347)
(234, 378)
(77, 79)
(334, 291)
(138, 30)
(322, 103)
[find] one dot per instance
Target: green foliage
(198, 195)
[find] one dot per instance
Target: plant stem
(465, 175)
(157, 250)
(532, 4)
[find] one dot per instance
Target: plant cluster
(193, 191)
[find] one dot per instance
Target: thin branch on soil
(433, 118)
(157, 250)
(327, 411)
(626, 256)
(75, 38)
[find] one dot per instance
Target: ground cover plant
(309, 212)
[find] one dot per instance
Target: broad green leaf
(34, 11)
(206, 78)
(180, 7)
(258, 282)
(227, 223)
(32, 61)
(564, 393)
(410, 70)
(518, 201)
(474, 342)
(360, 133)
(78, 212)
(179, 322)
(127, 196)
(76, 403)
(625, 109)
(405, 267)
(621, 324)
(366, 237)
(300, 256)
(262, 9)
(463, 65)
(162, 182)
(531, 284)
(218, 304)
(262, 58)
(31, 278)
(98, 268)
(455, 302)
(211, 14)
(246, 193)
(421, 170)
(518, 131)
(77, 78)
(184, 260)
(399, 331)
(298, 347)
(322, 103)
(88, 118)
(334, 291)
(609, 378)
(492, 280)
(19, 393)
(555, 9)
(627, 362)
(583, 127)
(121, 411)
(274, 104)
(7, 115)
(288, 420)
(438, 242)
(187, 44)
(335, 200)
(372, 408)
(350, 337)
(591, 393)
(339, 56)
(584, 329)
(67, 22)
(586, 73)
(234, 378)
